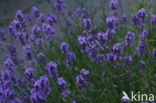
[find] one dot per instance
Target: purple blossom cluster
(33, 76)
(70, 56)
(82, 79)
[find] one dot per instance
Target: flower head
(129, 39)
(51, 67)
(35, 12)
(154, 53)
(29, 72)
(64, 47)
(113, 4)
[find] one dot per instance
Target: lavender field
(78, 51)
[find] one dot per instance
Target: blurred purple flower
(112, 22)
(82, 40)
(118, 48)
(64, 47)
(65, 93)
(28, 52)
(29, 72)
(51, 19)
(41, 58)
(153, 19)
(142, 48)
(71, 58)
(35, 12)
(87, 23)
(2, 37)
(12, 49)
(52, 70)
(36, 30)
(113, 4)
(154, 53)
(142, 13)
(129, 39)
(19, 15)
(8, 63)
(61, 83)
(82, 79)
(42, 17)
(144, 35)
(142, 64)
(125, 18)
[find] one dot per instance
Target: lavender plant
(66, 58)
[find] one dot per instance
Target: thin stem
(121, 8)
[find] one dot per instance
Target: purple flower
(82, 12)
(102, 36)
(36, 29)
(40, 93)
(142, 64)
(39, 42)
(82, 40)
(12, 49)
(21, 36)
(60, 1)
(87, 23)
(111, 57)
(100, 59)
(61, 83)
(42, 17)
(60, 5)
(35, 12)
(71, 58)
(65, 93)
(52, 19)
(42, 83)
(69, 22)
(78, 11)
(41, 58)
(112, 22)
(8, 63)
(8, 93)
(125, 18)
(51, 67)
(27, 51)
(37, 98)
(139, 18)
(2, 37)
(129, 39)
(64, 47)
(85, 72)
(32, 38)
(126, 101)
(154, 53)
(153, 19)
(128, 59)
(144, 35)
(113, 4)
(29, 72)
(49, 30)
(141, 49)
(28, 17)
(17, 24)
(19, 15)
(82, 79)
(142, 13)
(7, 75)
(118, 48)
